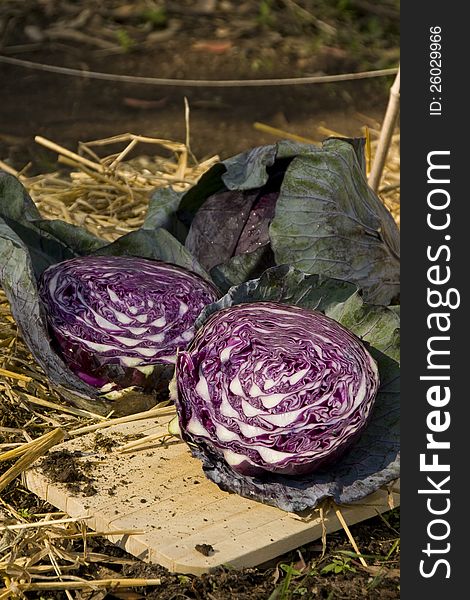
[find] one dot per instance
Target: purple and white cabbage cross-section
(115, 317)
(274, 387)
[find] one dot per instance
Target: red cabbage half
(274, 388)
(116, 317)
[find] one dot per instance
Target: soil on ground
(197, 40)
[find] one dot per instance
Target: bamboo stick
(385, 134)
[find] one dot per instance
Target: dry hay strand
(50, 553)
(28, 453)
(109, 195)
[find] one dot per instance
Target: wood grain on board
(160, 494)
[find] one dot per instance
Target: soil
(62, 466)
(201, 40)
(232, 42)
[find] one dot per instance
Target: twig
(342, 520)
(385, 134)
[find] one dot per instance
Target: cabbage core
(276, 388)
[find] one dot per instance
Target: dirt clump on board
(63, 466)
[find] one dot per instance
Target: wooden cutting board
(160, 494)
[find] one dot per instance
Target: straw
(342, 520)
(153, 412)
(33, 451)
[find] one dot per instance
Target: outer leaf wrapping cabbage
(276, 388)
(370, 461)
(28, 245)
(116, 318)
(290, 203)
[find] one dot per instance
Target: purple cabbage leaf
(33, 249)
(287, 408)
(290, 203)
